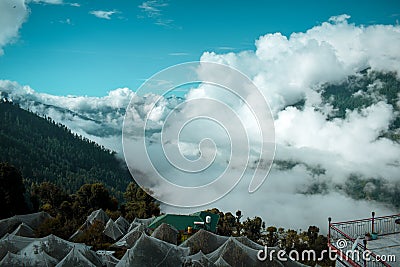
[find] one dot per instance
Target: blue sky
(64, 48)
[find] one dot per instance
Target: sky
(67, 47)
(100, 52)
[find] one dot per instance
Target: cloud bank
(292, 69)
(323, 162)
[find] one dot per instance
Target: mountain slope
(362, 90)
(355, 94)
(47, 151)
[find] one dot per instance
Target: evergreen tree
(252, 228)
(139, 203)
(94, 196)
(12, 191)
(48, 197)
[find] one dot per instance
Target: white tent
(123, 224)
(16, 241)
(198, 259)
(112, 230)
(33, 220)
(167, 233)
(47, 249)
(108, 260)
(75, 258)
(24, 230)
(205, 241)
(128, 240)
(133, 225)
(5, 247)
(145, 222)
(149, 251)
(98, 215)
(220, 262)
(39, 259)
(75, 235)
(248, 242)
(236, 253)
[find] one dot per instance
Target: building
(373, 241)
(199, 220)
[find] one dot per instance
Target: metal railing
(381, 225)
(343, 235)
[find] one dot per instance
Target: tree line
(69, 211)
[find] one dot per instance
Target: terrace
(354, 247)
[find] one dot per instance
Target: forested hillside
(356, 93)
(362, 90)
(47, 151)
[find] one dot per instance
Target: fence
(343, 235)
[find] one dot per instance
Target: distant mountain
(356, 93)
(48, 151)
(99, 119)
(362, 90)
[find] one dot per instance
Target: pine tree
(11, 191)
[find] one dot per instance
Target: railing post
(365, 248)
(373, 222)
(329, 230)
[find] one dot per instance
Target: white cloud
(13, 13)
(225, 48)
(50, 2)
(103, 14)
(53, 2)
(178, 54)
(339, 19)
(286, 69)
(153, 9)
(97, 118)
(343, 143)
(280, 204)
(66, 21)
